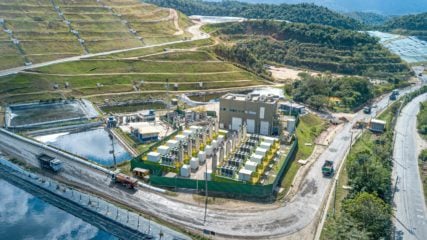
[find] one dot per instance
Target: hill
(134, 74)
(34, 31)
(415, 25)
(369, 18)
(317, 47)
(395, 7)
(303, 13)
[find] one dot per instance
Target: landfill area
(410, 49)
(29, 115)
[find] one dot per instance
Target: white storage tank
(269, 139)
(208, 175)
(202, 157)
(265, 145)
(163, 150)
(194, 163)
(261, 151)
(172, 143)
(185, 170)
(153, 156)
(187, 133)
(245, 175)
(220, 139)
(214, 144)
(256, 158)
(251, 166)
(181, 138)
(290, 125)
(208, 150)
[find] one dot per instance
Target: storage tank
(208, 175)
(208, 150)
(202, 157)
(220, 139)
(194, 163)
(185, 171)
(290, 125)
(261, 151)
(214, 144)
(251, 166)
(163, 150)
(153, 156)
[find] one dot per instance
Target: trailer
(128, 182)
(49, 162)
(328, 168)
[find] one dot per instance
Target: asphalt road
(411, 212)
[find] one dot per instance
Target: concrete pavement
(411, 212)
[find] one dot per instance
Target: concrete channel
(98, 212)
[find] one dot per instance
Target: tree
(372, 213)
(367, 174)
(344, 227)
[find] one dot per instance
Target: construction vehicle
(128, 182)
(328, 168)
(49, 162)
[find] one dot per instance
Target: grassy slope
(187, 68)
(309, 127)
(44, 36)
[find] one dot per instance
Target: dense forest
(302, 13)
(369, 19)
(316, 47)
(317, 91)
(415, 25)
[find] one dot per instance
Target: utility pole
(110, 134)
(206, 192)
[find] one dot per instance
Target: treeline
(422, 119)
(302, 13)
(311, 46)
(368, 18)
(318, 91)
(414, 25)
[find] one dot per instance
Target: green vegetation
(108, 76)
(44, 33)
(415, 25)
(309, 128)
(423, 171)
(304, 13)
(316, 47)
(422, 120)
(325, 91)
(365, 209)
(368, 18)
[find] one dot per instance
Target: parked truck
(328, 168)
(49, 162)
(125, 180)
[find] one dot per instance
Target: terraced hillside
(36, 31)
(181, 67)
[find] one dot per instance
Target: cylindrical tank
(202, 157)
(194, 163)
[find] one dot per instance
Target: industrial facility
(257, 112)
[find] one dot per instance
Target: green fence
(231, 189)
